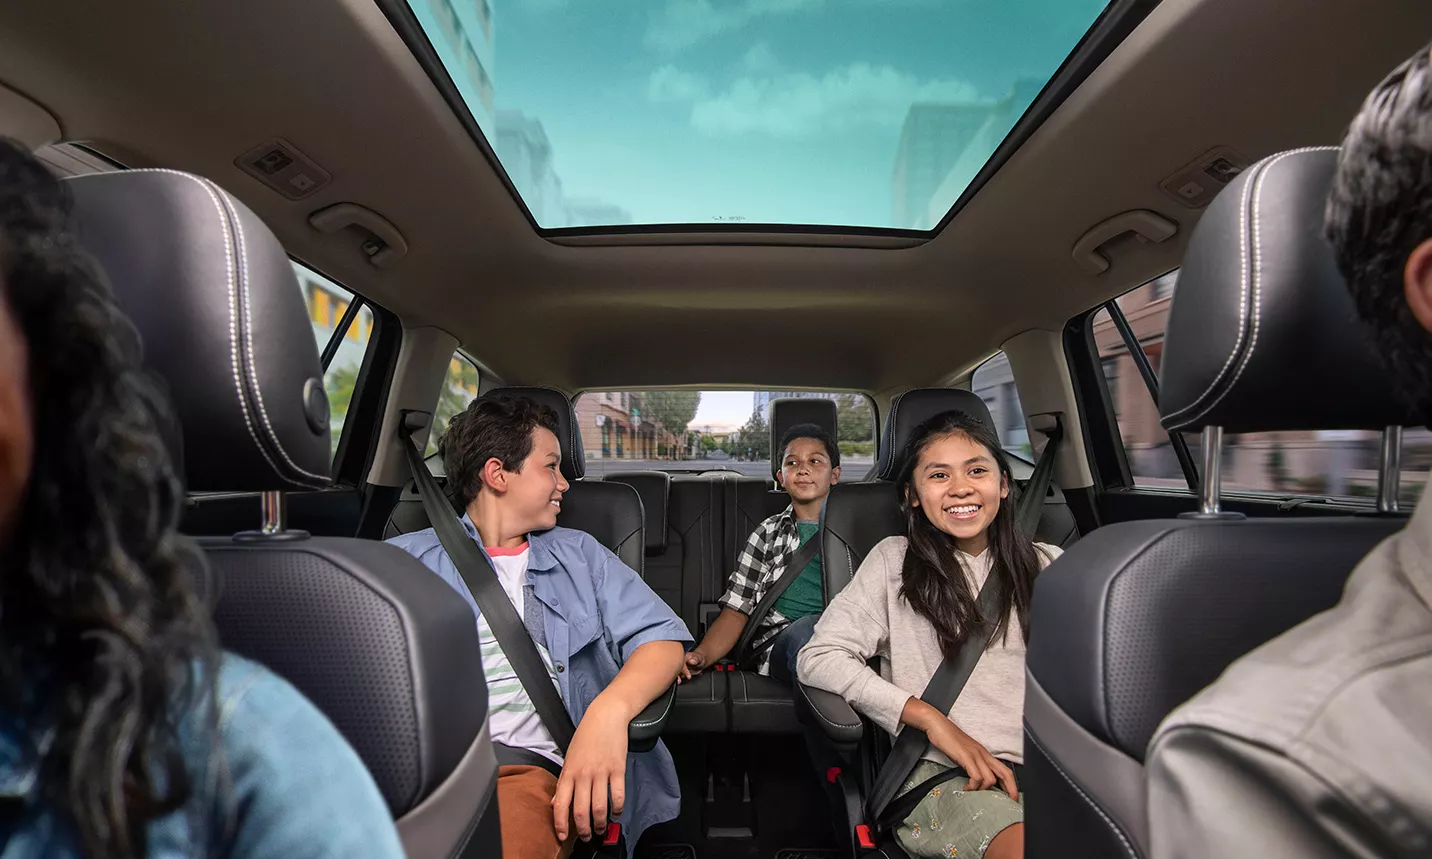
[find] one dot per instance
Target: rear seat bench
(694, 527)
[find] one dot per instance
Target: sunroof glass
(854, 113)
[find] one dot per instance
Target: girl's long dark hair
(104, 643)
(932, 580)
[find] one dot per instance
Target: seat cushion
(761, 705)
(700, 706)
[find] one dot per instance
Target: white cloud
(760, 60)
(670, 84)
(795, 104)
(683, 23)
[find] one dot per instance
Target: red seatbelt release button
(863, 837)
(614, 834)
(832, 774)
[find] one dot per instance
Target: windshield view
(696, 112)
(685, 430)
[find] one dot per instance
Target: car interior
(340, 198)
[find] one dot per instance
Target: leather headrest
(790, 411)
(219, 309)
(912, 408)
(1263, 334)
(574, 462)
(654, 488)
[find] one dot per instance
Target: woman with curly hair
(125, 732)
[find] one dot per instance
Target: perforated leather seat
(365, 631)
(1138, 616)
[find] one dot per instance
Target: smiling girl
(912, 603)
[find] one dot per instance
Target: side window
(347, 335)
(459, 389)
(994, 382)
(1337, 464)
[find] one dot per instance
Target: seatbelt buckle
(613, 836)
(864, 838)
(833, 774)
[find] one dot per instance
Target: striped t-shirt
(512, 717)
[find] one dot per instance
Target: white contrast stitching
(220, 209)
(246, 305)
(1092, 804)
(1242, 291)
(1252, 193)
(1257, 297)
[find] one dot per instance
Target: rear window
(682, 430)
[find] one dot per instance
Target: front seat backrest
(1138, 616)
(382, 646)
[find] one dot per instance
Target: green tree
(756, 437)
(339, 385)
(708, 444)
(674, 410)
(459, 389)
(854, 420)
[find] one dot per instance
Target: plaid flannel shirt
(761, 565)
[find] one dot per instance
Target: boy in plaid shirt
(810, 466)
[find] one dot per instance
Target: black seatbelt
(799, 560)
(951, 676)
(940, 693)
(1031, 504)
(486, 590)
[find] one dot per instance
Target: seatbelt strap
(952, 675)
(486, 590)
(799, 560)
(1031, 504)
(940, 693)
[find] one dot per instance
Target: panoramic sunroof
(850, 113)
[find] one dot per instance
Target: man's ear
(494, 475)
(835, 475)
(1417, 283)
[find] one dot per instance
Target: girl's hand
(984, 769)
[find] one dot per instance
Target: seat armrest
(646, 728)
(832, 714)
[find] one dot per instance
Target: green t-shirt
(803, 597)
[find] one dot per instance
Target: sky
(724, 407)
(776, 111)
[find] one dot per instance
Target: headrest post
(1209, 504)
(273, 513)
(1389, 470)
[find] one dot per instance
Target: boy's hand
(596, 762)
(696, 662)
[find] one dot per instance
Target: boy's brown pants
(524, 806)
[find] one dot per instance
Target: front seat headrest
(574, 461)
(221, 315)
(790, 411)
(914, 407)
(1263, 334)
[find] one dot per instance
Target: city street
(854, 468)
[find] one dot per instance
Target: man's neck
(807, 511)
(487, 516)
